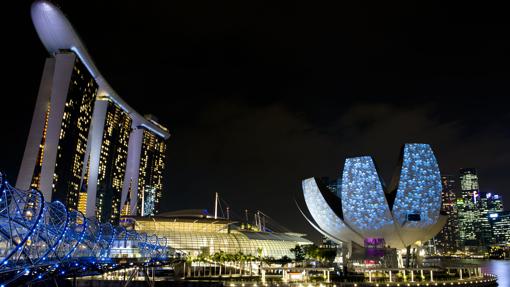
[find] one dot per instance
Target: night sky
(259, 95)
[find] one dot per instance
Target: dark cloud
(256, 157)
(260, 95)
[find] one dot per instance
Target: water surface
(500, 268)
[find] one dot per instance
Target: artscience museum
(367, 213)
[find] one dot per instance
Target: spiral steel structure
(39, 239)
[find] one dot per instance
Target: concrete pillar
(54, 88)
(405, 276)
(94, 143)
(391, 278)
(35, 134)
(460, 274)
(412, 276)
(369, 276)
(421, 273)
(327, 278)
(431, 276)
(133, 166)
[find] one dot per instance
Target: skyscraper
(85, 143)
(150, 179)
(495, 203)
(56, 146)
(500, 223)
(448, 237)
(112, 159)
(469, 226)
(483, 206)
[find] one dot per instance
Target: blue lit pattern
(363, 202)
(324, 215)
(46, 239)
(419, 188)
(413, 217)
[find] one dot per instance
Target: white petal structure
(407, 214)
(330, 222)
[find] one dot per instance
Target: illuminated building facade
(447, 239)
(56, 147)
(405, 214)
(483, 210)
(495, 202)
(150, 179)
(85, 143)
(193, 233)
(112, 161)
(500, 223)
(469, 225)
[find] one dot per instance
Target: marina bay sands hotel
(87, 147)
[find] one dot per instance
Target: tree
(299, 253)
(284, 260)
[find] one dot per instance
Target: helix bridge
(42, 241)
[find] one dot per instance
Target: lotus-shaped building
(365, 212)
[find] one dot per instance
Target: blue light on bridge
(47, 240)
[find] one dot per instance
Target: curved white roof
(57, 33)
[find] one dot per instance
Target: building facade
(448, 238)
(86, 146)
(469, 223)
(194, 233)
(56, 146)
(150, 179)
(500, 223)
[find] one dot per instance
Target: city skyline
(239, 126)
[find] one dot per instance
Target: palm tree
(239, 258)
(220, 258)
(250, 259)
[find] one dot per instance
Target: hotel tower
(87, 147)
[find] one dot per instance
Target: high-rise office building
(469, 225)
(495, 204)
(500, 223)
(448, 238)
(86, 144)
(483, 208)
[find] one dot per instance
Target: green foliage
(299, 253)
(313, 252)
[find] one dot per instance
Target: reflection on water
(500, 268)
